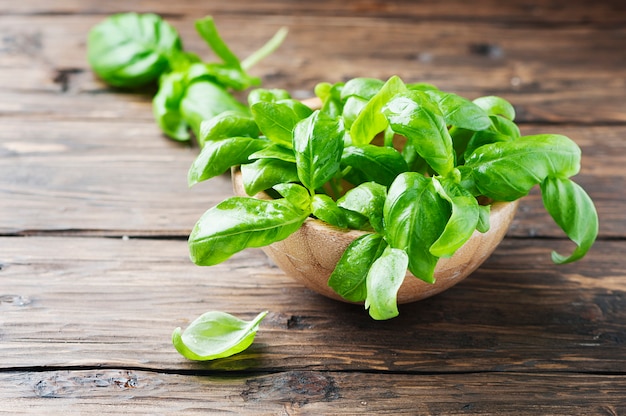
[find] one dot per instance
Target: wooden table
(95, 212)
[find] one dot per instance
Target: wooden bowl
(310, 254)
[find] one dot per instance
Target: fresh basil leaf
(231, 77)
(208, 31)
(371, 120)
(462, 222)
(215, 335)
(367, 199)
(365, 88)
(414, 217)
(383, 282)
(218, 156)
(295, 194)
(506, 171)
(318, 144)
(166, 106)
(421, 86)
(278, 119)
(204, 100)
(238, 223)
(275, 151)
(330, 95)
(460, 112)
(349, 277)
(271, 95)
(484, 212)
(502, 130)
(226, 125)
(351, 109)
(496, 106)
(416, 117)
(325, 209)
(376, 163)
(130, 49)
(263, 174)
(573, 211)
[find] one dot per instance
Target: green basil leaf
(215, 335)
(263, 174)
(238, 223)
(130, 49)
(226, 125)
(483, 219)
(496, 106)
(325, 209)
(416, 117)
(351, 109)
(271, 95)
(218, 156)
(365, 88)
(371, 120)
(166, 106)
(383, 282)
(376, 163)
(367, 199)
(208, 31)
(231, 77)
(349, 277)
(506, 171)
(573, 211)
(330, 94)
(295, 194)
(275, 151)
(421, 86)
(460, 112)
(318, 144)
(204, 100)
(414, 217)
(278, 119)
(462, 222)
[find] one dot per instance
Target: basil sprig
(414, 191)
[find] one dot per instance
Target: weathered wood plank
(105, 392)
(124, 177)
(113, 302)
(574, 77)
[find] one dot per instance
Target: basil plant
(417, 202)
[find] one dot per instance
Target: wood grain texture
(307, 393)
(113, 302)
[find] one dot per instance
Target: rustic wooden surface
(94, 213)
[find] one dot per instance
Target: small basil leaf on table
(367, 199)
(226, 125)
(166, 106)
(414, 218)
(215, 335)
(463, 220)
(506, 171)
(349, 277)
(416, 117)
(263, 174)
(238, 223)
(204, 100)
(278, 119)
(371, 120)
(318, 144)
(375, 163)
(131, 50)
(216, 157)
(573, 211)
(383, 282)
